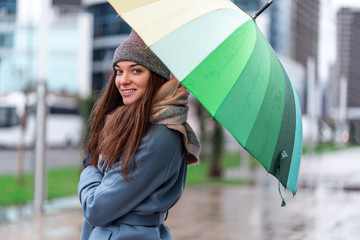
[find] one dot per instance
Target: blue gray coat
(117, 209)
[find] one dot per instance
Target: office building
(7, 33)
(348, 64)
(348, 52)
(68, 46)
(249, 6)
(280, 17)
(305, 30)
(109, 31)
(294, 29)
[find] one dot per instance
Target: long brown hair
(116, 129)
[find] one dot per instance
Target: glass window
(6, 40)
(106, 21)
(98, 81)
(8, 117)
(8, 5)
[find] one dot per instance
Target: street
(55, 157)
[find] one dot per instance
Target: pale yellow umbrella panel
(165, 15)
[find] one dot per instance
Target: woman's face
(131, 80)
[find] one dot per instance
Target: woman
(139, 148)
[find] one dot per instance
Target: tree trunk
(215, 170)
(202, 114)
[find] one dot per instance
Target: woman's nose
(125, 78)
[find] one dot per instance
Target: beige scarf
(171, 109)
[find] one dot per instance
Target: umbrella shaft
(262, 9)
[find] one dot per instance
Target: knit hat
(134, 49)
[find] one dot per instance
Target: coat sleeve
(105, 198)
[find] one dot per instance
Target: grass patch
(61, 182)
(13, 193)
(322, 148)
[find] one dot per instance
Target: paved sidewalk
(227, 213)
(339, 169)
(203, 213)
(65, 225)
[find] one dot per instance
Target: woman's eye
(119, 72)
(137, 71)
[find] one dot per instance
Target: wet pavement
(324, 208)
(227, 213)
(340, 169)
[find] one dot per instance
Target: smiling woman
(138, 149)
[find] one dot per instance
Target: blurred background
(55, 57)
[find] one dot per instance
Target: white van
(64, 125)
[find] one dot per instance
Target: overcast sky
(353, 3)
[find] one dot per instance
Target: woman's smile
(127, 92)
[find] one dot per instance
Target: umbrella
(219, 54)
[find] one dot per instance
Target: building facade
(348, 65)
(7, 21)
(7, 34)
(294, 29)
(348, 52)
(249, 6)
(305, 31)
(68, 47)
(280, 17)
(109, 31)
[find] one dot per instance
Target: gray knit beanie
(134, 49)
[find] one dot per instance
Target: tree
(215, 170)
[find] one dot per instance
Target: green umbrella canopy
(219, 54)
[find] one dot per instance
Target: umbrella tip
(283, 202)
(262, 9)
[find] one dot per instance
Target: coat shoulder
(161, 136)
